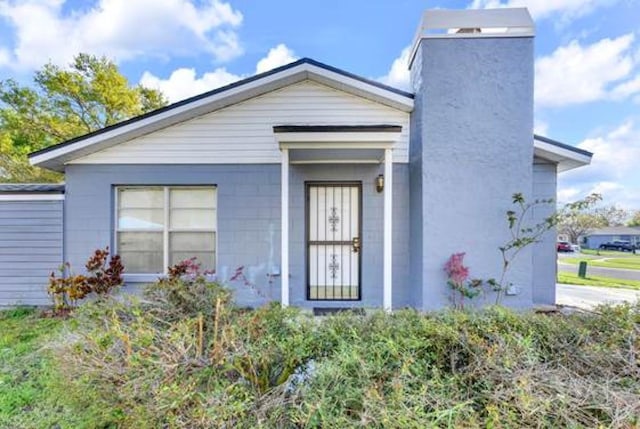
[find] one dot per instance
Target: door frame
(307, 234)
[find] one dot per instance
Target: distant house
(594, 239)
(331, 190)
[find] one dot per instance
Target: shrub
(181, 359)
(101, 278)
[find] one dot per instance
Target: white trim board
(31, 197)
(566, 159)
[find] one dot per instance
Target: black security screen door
(334, 246)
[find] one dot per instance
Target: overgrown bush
(102, 275)
(199, 361)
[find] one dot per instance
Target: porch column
(388, 200)
(284, 192)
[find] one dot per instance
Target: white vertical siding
(243, 133)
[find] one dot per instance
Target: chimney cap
(473, 23)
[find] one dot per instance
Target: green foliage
(275, 367)
(522, 235)
(134, 363)
(635, 219)
(578, 218)
(65, 102)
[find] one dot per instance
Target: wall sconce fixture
(380, 183)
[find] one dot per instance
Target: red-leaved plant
(101, 278)
(461, 286)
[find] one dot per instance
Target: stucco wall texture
(473, 126)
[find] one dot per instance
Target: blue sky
(587, 57)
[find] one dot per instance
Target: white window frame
(166, 230)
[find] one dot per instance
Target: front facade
(326, 189)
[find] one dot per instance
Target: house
(595, 238)
(329, 189)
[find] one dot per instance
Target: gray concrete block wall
(248, 221)
(30, 249)
(248, 216)
(544, 252)
(474, 108)
(372, 231)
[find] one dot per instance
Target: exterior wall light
(380, 183)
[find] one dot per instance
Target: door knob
(355, 244)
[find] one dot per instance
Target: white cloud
(614, 170)
(399, 76)
(119, 29)
(184, 82)
(578, 74)
(540, 127)
(566, 9)
(278, 56)
(627, 88)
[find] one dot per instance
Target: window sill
(142, 278)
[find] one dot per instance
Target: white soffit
(565, 158)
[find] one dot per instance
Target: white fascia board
(373, 140)
(221, 100)
(565, 158)
(31, 197)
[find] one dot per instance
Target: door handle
(355, 244)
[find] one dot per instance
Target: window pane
(141, 219)
(186, 245)
(193, 218)
(141, 252)
(141, 198)
(193, 198)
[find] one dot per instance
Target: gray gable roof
(31, 188)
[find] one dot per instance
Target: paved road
(590, 296)
(616, 273)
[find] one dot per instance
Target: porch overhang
(338, 144)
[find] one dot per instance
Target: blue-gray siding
(544, 252)
(594, 241)
(30, 249)
(248, 221)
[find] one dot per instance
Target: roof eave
(564, 156)
(55, 157)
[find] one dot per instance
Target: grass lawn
(571, 278)
(629, 263)
(607, 253)
(28, 379)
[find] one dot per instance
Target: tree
(578, 218)
(611, 215)
(64, 103)
(635, 219)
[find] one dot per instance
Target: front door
(334, 245)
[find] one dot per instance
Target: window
(159, 226)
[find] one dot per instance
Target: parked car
(622, 246)
(564, 246)
(576, 248)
